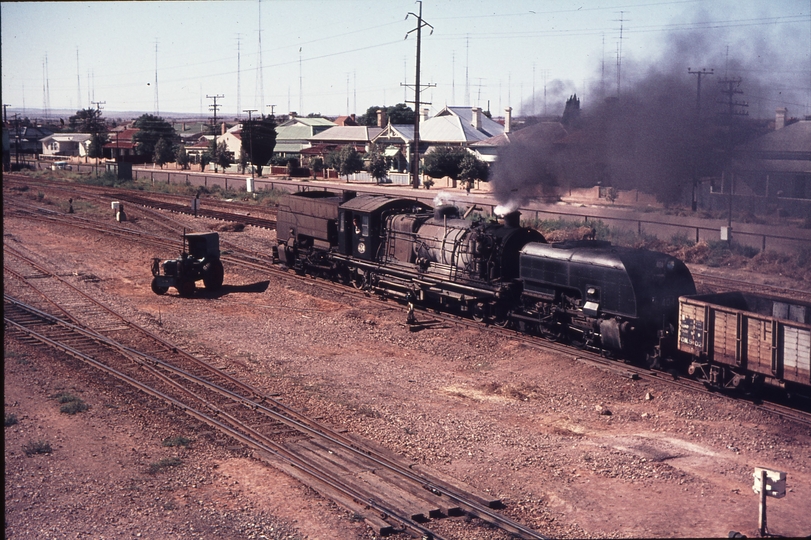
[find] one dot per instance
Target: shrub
(176, 441)
(164, 463)
(71, 404)
(10, 420)
(37, 447)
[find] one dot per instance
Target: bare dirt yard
(572, 450)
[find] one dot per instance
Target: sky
(337, 57)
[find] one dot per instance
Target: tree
(182, 157)
(349, 161)
(205, 159)
(87, 121)
(162, 153)
(95, 146)
(472, 169)
(259, 141)
(396, 114)
(221, 155)
(444, 161)
(151, 129)
(376, 164)
(243, 160)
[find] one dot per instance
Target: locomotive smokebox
(511, 219)
(446, 211)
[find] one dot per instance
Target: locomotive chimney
(780, 118)
(476, 120)
(512, 219)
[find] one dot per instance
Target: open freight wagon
(739, 339)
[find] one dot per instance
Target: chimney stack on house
(424, 115)
(223, 129)
(780, 118)
(508, 118)
(476, 120)
(352, 116)
(381, 118)
(292, 114)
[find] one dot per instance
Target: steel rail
(252, 439)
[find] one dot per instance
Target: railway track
(392, 494)
(264, 264)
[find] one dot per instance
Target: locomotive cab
(360, 223)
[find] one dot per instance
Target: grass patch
(71, 404)
(37, 447)
(163, 464)
(10, 419)
(176, 441)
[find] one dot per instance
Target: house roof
(305, 121)
(543, 132)
(293, 133)
(794, 137)
(67, 137)
(404, 132)
(455, 125)
(348, 134)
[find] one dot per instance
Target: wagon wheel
(478, 311)
(213, 274)
(157, 289)
(186, 288)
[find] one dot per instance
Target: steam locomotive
(618, 300)
(635, 304)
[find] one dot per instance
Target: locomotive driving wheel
(478, 311)
(358, 279)
(501, 316)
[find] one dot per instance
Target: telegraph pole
(249, 111)
(415, 182)
(214, 108)
(698, 74)
(730, 88)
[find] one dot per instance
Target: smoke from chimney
(656, 136)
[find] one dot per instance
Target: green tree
(444, 161)
(205, 159)
(349, 161)
(222, 156)
(472, 169)
(162, 153)
(95, 147)
(243, 160)
(151, 129)
(182, 156)
(87, 121)
(259, 141)
(376, 164)
(396, 114)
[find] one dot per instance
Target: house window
(365, 226)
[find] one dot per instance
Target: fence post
(764, 243)
(696, 235)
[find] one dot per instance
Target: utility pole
(698, 74)
(214, 108)
(415, 182)
(272, 107)
(250, 133)
(698, 89)
(730, 88)
(5, 113)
